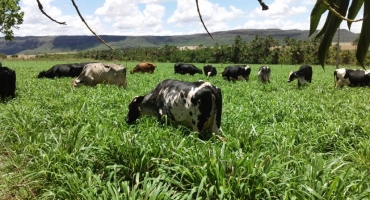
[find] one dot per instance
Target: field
(282, 142)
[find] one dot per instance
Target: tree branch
(264, 6)
(83, 20)
(43, 12)
(338, 14)
(201, 19)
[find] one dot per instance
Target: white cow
(97, 73)
(351, 77)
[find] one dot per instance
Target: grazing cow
(63, 70)
(210, 70)
(304, 75)
(96, 73)
(264, 74)
(144, 67)
(236, 72)
(196, 105)
(351, 77)
(183, 68)
(7, 83)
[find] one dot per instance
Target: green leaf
(353, 10)
(332, 26)
(316, 14)
(364, 40)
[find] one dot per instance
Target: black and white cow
(236, 72)
(7, 83)
(304, 75)
(209, 70)
(182, 68)
(196, 105)
(351, 77)
(63, 70)
(264, 74)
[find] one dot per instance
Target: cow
(7, 83)
(351, 77)
(63, 70)
(209, 70)
(96, 73)
(182, 68)
(304, 75)
(196, 105)
(236, 72)
(144, 67)
(264, 74)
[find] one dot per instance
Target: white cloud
(214, 16)
(165, 17)
(281, 9)
(127, 17)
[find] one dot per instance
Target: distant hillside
(55, 44)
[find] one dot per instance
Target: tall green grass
(282, 142)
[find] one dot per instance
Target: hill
(55, 44)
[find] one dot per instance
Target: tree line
(261, 50)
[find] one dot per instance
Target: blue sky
(164, 17)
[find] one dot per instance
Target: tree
(338, 9)
(10, 17)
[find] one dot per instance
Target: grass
(282, 142)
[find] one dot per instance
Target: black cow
(352, 77)
(235, 72)
(209, 70)
(304, 75)
(264, 74)
(196, 105)
(63, 70)
(182, 68)
(7, 83)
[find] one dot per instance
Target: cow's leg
(339, 84)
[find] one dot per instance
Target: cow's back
(96, 73)
(196, 105)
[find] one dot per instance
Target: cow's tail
(335, 76)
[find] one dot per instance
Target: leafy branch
(331, 9)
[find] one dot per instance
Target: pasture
(60, 142)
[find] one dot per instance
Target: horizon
(205, 33)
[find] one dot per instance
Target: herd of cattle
(197, 105)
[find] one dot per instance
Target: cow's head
(292, 76)
(41, 74)
(134, 109)
(76, 82)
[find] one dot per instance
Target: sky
(164, 17)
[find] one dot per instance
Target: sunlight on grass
(283, 142)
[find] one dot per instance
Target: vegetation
(11, 16)
(60, 142)
(259, 50)
(338, 11)
(33, 45)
